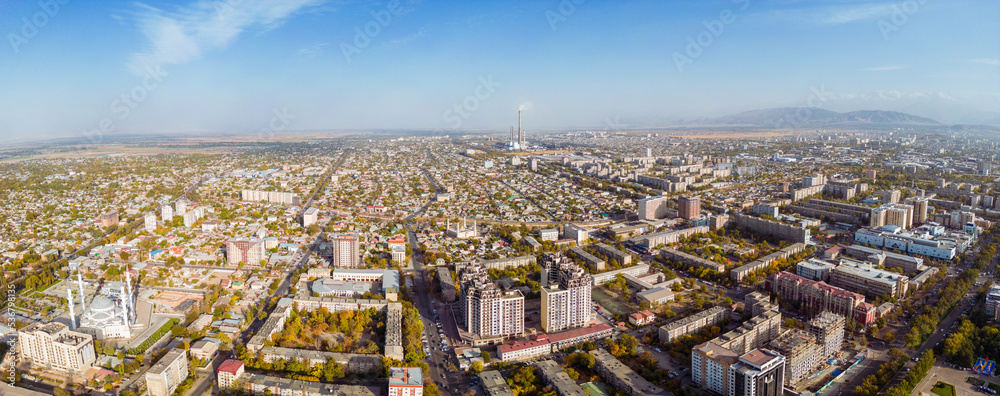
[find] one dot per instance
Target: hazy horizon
(274, 66)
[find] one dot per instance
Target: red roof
(517, 346)
(579, 332)
(230, 366)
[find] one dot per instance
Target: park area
(943, 389)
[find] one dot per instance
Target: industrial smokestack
(72, 315)
(83, 296)
(520, 135)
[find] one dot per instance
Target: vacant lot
(610, 303)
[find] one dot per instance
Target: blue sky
(68, 68)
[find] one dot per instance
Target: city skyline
(275, 66)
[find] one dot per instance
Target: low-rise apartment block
(622, 377)
(693, 323)
(863, 278)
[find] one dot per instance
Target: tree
(486, 357)
(476, 367)
(431, 389)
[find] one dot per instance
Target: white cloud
(182, 35)
(986, 61)
(311, 51)
(885, 68)
(830, 15)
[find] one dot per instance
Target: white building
(578, 234)
(166, 213)
(149, 221)
(566, 298)
(171, 370)
(406, 381)
(53, 345)
(550, 234)
(652, 208)
(993, 301)
(310, 216)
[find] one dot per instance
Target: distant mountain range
(802, 117)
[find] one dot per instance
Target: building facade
(55, 346)
(170, 371)
(759, 372)
(346, 251)
(249, 251)
(688, 207)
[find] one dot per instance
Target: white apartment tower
(55, 346)
(166, 213)
(566, 299)
(171, 370)
(149, 221)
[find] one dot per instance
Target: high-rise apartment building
(710, 365)
(889, 196)
(180, 207)
(53, 345)
(149, 222)
(171, 370)
(487, 311)
(828, 328)
(109, 218)
(346, 251)
(652, 208)
(920, 208)
(801, 354)
(566, 297)
(249, 251)
(688, 207)
(759, 372)
(166, 213)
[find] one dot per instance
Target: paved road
(438, 359)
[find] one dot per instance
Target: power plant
(516, 137)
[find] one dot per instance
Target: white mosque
(110, 315)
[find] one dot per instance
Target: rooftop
(408, 376)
